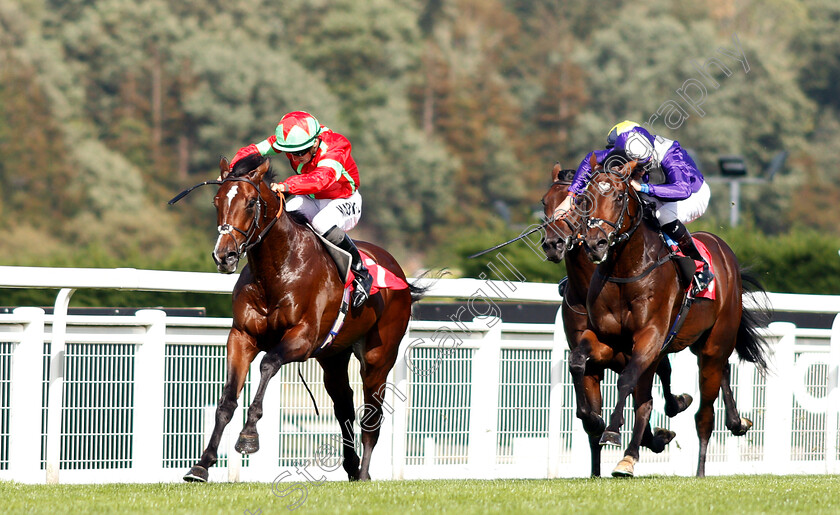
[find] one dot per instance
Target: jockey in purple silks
(682, 198)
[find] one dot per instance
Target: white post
(779, 395)
(25, 399)
(400, 414)
(149, 362)
(685, 448)
(484, 401)
(833, 398)
(555, 395)
(54, 400)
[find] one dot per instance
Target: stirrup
(702, 279)
(363, 283)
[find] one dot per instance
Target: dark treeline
(457, 109)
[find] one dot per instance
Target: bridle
(616, 236)
(260, 210)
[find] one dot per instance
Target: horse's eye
(251, 203)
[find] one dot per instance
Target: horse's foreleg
(337, 384)
(645, 352)
(641, 425)
(586, 385)
(249, 440)
(241, 350)
(588, 396)
(292, 347)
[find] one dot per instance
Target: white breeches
(685, 210)
(325, 213)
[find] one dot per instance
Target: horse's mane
(248, 163)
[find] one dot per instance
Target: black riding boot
(363, 279)
(677, 231)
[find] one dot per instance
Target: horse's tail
(418, 290)
(750, 345)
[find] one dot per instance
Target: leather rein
(261, 208)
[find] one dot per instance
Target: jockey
(682, 198)
(326, 187)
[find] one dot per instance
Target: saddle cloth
(382, 277)
(708, 293)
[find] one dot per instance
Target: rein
(223, 229)
(540, 227)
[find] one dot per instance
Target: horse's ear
(259, 172)
(555, 172)
(224, 168)
(593, 161)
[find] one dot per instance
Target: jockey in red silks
(682, 198)
(326, 187)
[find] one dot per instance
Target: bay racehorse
(635, 296)
(588, 358)
(285, 303)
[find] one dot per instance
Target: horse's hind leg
(711, 377)
(241, 350)
(380, 353)
(337, 384)
(734, 421)
(673, 404)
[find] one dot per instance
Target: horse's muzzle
(228, 264)
(554, 249)
(597, 250)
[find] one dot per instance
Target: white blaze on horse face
(232, 193)
(230, 196)
(604, 186)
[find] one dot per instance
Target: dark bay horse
(589, 358)
(634, 297)
(285, 303)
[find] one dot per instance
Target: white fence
(131, 398)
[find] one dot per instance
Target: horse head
(560, 234)
(609, 194)
(245, 210)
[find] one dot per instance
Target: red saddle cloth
(708, 293)
(382, 277)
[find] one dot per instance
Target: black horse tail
(750, 345)
(418, 291)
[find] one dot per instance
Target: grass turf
(648, 495)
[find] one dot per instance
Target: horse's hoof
(197, 474)
(680, 404)
(741, 430)
(624, 467)
(610, 438)
(661, 438)
(247, 444)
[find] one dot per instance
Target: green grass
(648, 495)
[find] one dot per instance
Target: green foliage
(795, 262)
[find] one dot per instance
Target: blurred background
(457, 110)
